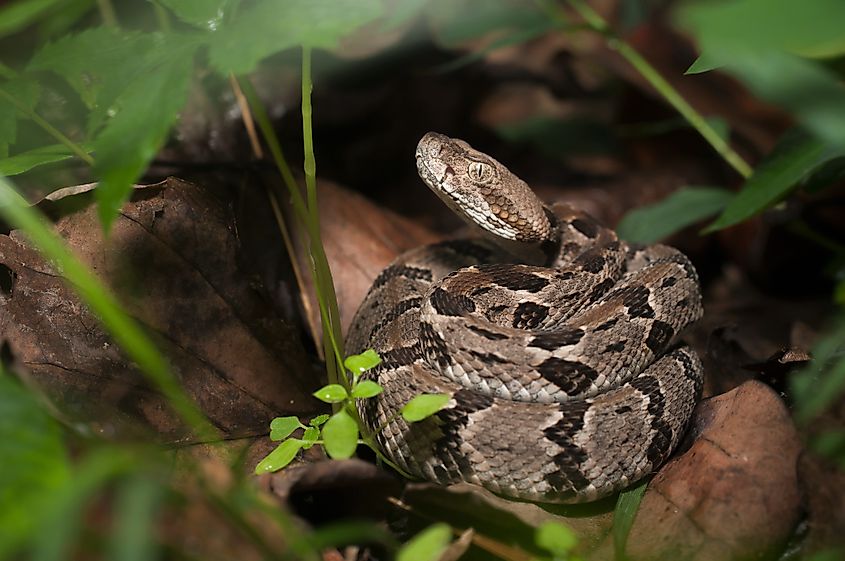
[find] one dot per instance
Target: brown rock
(172, 258)
(734, 493)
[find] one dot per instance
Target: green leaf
(365, 389)
(100, 58)
(358, 364)
(808, 27)
(17, 15)
(25, 161)
(318, 420)
(147, 109)
(454, 23)
(333, 393)
(340, 435)
(34, 466)
(428, 545)
(627, 505)
(266, 28)
(310, 436)
(684, 207)
(205, 14)
(556, 538)
(424, 406)
(794, 158)
(24, 90)
(138, 502)
(280, 457)
(282, 427)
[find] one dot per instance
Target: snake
(556, 342)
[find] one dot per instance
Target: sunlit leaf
(428, 545)
(556, 538)
(424, 406)
(332, 393)
(265, 28)
(205, 14)
(684, 207)
(627, 505)
(366, 389)
(280, 457)
(340, 435)
(358, 364)
(795, 157)
(282, 427)
(131, 139)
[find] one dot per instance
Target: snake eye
(480, 172)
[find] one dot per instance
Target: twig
(664, 88)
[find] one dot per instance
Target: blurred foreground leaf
(795, 157)
(427, 545)
(34, 464)
(684, 207)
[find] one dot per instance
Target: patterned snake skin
(555, 340)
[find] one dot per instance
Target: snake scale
(556, 341)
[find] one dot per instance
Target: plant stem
(107, 13)
(326, 296)
(162, 17)
(664, 88)
(48, 128)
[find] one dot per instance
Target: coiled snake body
(555, 340)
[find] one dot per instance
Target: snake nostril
(449, 171)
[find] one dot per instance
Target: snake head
(481, 190)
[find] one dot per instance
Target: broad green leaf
(318, 420)
(21, 13)
(310, 436)
(282, 427)
(365, 389)
(454, 23)
(58, 22)
(333, 393)
(97, 59)
(34, 464)
(358, 364)
(556, 538)
(808, 27)
(793, 159)
(205, 14)
(684, 207)
(280, 457)
(131, 139)
(424, 406)
(627, 505)
(25, 161)
(26, 92)
(266, 28)
(428, 545)
(137, 505)
(340, 435)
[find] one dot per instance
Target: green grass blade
(125, 330)
(137, 503)
(626, 509)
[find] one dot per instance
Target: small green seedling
(341, 433)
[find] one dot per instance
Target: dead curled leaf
(172, 259)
